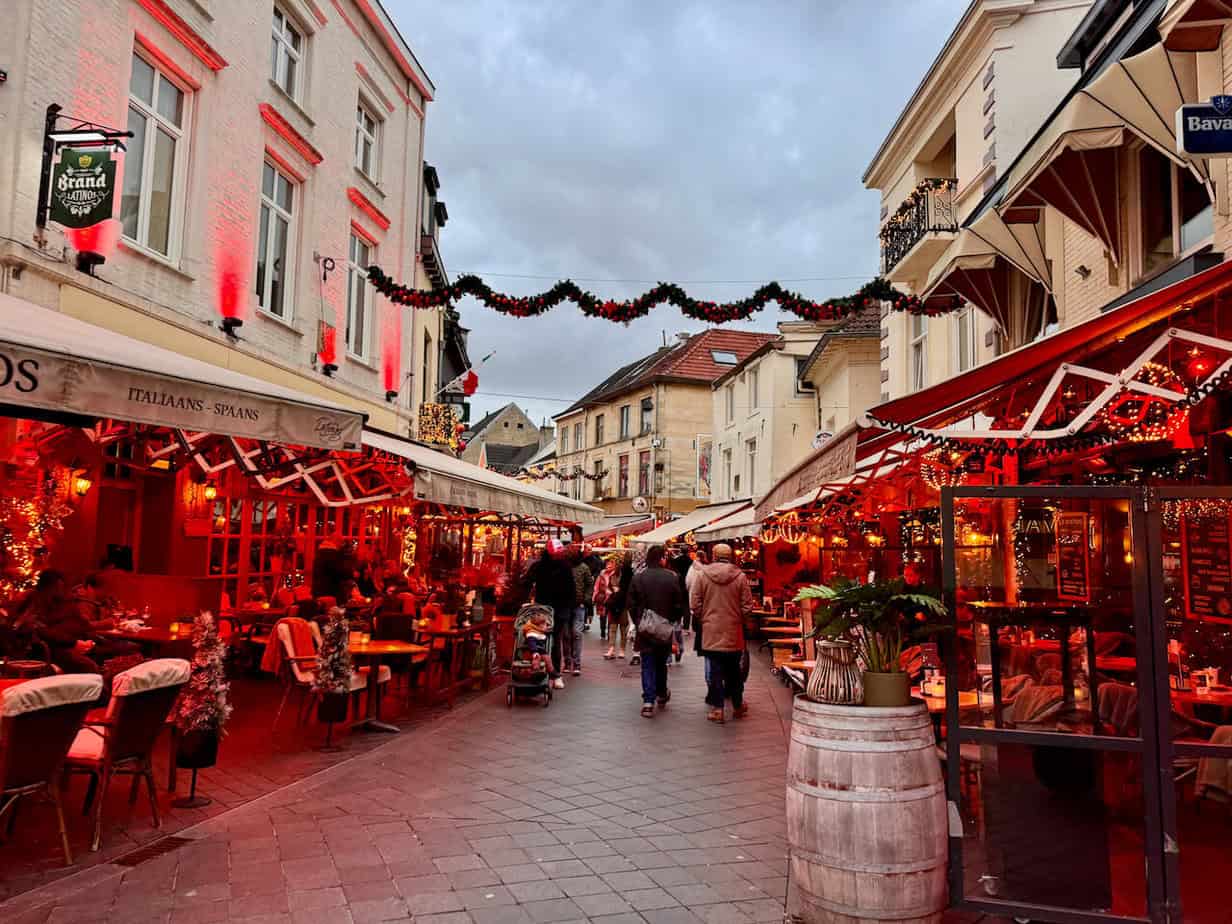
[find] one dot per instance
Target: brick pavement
(583, 811)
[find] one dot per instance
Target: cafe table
(458, 640)
(159, 641)
(372, 652)
(1219, 699)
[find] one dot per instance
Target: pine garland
(665, 293)
(204, 705)
(333, 673)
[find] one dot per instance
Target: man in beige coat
(719, 600)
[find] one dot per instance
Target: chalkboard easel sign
(1206, 562)
(1073, 557)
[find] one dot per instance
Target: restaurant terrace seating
(123, 741)
(295, 659)
(39, 720)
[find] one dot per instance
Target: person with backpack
(657, 605)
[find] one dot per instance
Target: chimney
(547, 433)
(683, 336)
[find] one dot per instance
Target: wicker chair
(123, 742)
(299, 670)
(39, 720)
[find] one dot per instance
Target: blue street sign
(1205, 128)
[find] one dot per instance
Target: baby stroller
(529, 675)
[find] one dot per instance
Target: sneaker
(558, 684)
(662, 701)
(715, 715)
(577, 672)
(635, 660)
(739, 712)
(648, 711)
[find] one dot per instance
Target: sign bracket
(75, 132)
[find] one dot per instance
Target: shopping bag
(655, 628)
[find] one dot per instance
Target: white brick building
(268, 133)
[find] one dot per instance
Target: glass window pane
(284, 192)
(275, 54)
(170, 101)
(290, 74)
(262, 253)
(278, 274)
(358, 322)
(293, 36)
(130, 195)
(141, 85)
(161, 179)
(267, 181)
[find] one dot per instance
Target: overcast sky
(718, 144)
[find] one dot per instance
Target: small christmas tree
(333, 674)
(203, 706)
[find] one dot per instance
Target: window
(919, 351)
(626, 414)
(724, 357)
(286, 54)
(968, 329)
(274, 242)
(358, 320)
(599, 430)
(730, 401)
(754, 397)
(1175, 211)
(600, 491)
(623, 482)
(367, 146)
(643, 473)
(578, 445)
(803, 387)
(150, 194)
(576, 489)
(727, 472)
(751, 454)
(647, 416)
(427, 367)
(564, 440)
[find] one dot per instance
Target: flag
(467, 383)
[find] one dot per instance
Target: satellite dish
(640, 505)
(820, 438)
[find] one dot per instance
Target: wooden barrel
(866, 815)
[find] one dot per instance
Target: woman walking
(620, 567)
(657, 590)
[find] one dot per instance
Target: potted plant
(876, 619)
(332, 680)
(203, 708)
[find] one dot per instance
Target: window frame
(363, 107)
(750, 455)
(918, 352)
(564, 440)
(729, 398)
(357, 278)
(154, 120)
(622, 483)
(597, 468)
(754, 380)
(966, 316)
(643, 473)
(728, 471)
(288, 282)
(579, 437)
(646, 422)
(803, 388)
(426, 364)
(626, 418)
(599, 429)
(1138, 241)
(296, 92)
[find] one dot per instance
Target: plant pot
(196, 750)
(887, 689)
(332, 707)
(836, 675)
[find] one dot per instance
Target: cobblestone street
(580, 811)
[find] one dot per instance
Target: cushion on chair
(49, 692)
(152, 675)
(87, 746)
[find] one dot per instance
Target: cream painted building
(765, 416)
(844, 372)
(982, 100)
(278, 146)
(645, 431)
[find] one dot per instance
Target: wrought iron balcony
(928, 209)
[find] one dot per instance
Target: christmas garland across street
(665, 293)
(542, 474)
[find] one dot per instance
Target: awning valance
(615, 527)
(54, 362)
(740, 525)
(702, 516)
(1194, 25)
(443, 479)
(1072, 164)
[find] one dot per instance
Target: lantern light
(211, 491)
(82, 483)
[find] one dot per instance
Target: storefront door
(1054, 765)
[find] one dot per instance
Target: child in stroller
(532, 654)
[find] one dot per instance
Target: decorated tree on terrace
(204, 705)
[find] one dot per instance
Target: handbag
(655, 628)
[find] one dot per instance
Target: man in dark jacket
(551, 578)
(656, 589)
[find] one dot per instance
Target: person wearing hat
(720, 598)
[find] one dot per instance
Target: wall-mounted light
(229, 325)
(211, 491)
(1083, 271)
(82, 483)
(391, 396)
(328, 369)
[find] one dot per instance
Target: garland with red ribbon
(526, 306)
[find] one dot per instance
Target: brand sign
(82, 187)
(1205, 128)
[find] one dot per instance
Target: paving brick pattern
(583, 811)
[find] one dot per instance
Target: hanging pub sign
(1206, 563)
(1073, 560)
(82, 187)
(1205, 128)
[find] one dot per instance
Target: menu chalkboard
(1073, 558)
(1206, 561)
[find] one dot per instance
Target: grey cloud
(656, 140)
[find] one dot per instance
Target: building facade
(504, 439)
(764, 415)
(979, 104)
(646, 431)
(844, 373)
(276, 153)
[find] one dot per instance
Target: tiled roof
(863, 324)
(476, 429)
(689, 360)
(508, 459)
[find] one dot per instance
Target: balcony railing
(929, 208)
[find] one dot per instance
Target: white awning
(702, 516)
(443, 479)
(617, 525)
(740, 525)
(54, 362)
